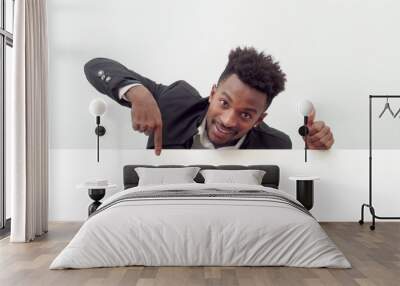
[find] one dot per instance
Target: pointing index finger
(158, 140)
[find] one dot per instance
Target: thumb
(311, 117)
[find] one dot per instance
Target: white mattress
(192, 231)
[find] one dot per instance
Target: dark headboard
(270, 179)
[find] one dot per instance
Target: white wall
(334, 52)
(338, 195)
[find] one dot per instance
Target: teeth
(222, 130)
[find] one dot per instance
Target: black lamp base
(100, 130)
(96, 195)
(305, 193)
(303, 130)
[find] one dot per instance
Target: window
(6, 44)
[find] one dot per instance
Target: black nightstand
(305, 190)
(96, 193)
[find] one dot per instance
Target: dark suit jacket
(181, 106)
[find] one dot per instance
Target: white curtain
(28, 158)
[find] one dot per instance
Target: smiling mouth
(221, 133)
(223, 130)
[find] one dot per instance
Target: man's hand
(146, 116)
(320, 135)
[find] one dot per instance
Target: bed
(201, 224)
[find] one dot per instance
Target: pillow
(163, 176)
(248, 177)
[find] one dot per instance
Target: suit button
(100, 73)
(108, 78)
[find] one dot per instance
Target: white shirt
(200, 140)
(123, 90)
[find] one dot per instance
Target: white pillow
(248, 177)
(163, 176)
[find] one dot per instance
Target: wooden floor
(374, 255)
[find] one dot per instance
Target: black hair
(256, 70)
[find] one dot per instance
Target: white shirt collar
(201, 140)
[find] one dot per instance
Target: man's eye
(223, 103)
(246, 115)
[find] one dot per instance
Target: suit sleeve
(108, 76)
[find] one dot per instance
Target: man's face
(234, 109)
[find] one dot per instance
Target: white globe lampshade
(305, 107)
(97, 107)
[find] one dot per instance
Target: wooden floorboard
(374, 255)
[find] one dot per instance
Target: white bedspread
(200, 231)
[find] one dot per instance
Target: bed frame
(270, 179)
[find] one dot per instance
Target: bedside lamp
(305, 107)
(97, 108)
